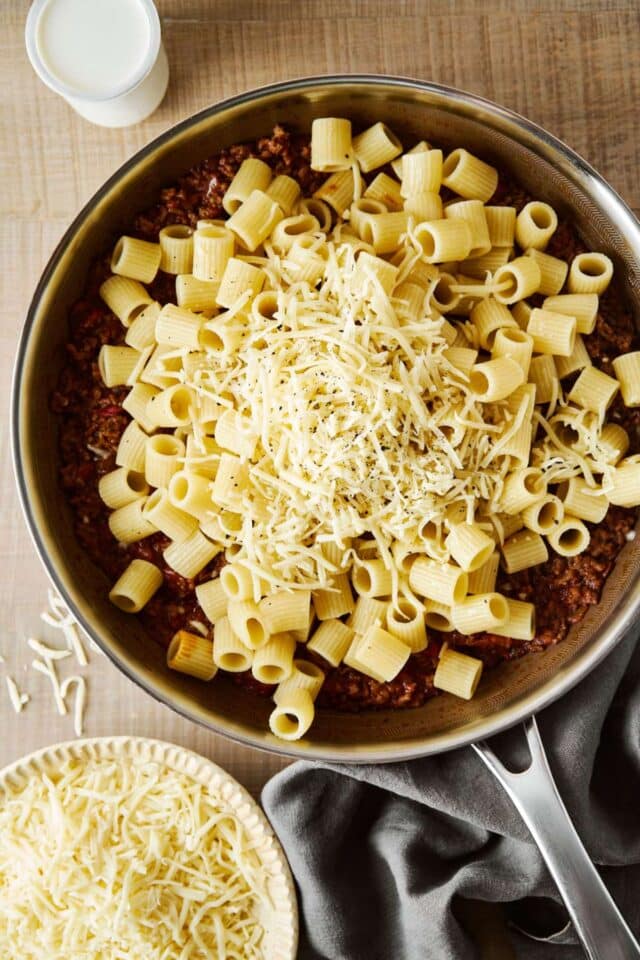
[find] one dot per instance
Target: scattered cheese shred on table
(117, 858)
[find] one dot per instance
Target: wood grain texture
(570, 66)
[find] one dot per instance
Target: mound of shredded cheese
(115, 858)
(363, 421)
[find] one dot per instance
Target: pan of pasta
(326, 418)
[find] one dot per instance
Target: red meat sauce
(92, 421)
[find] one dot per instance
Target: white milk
(105, 57)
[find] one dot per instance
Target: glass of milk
(105, 57)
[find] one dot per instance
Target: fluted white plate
(281, 925)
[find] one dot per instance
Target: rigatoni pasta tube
(387, 190)
(367, 611)
(488, 317)
(237, 582)
(438, 581)
(284, 191)
(569, 538)
(273, 661)
(239, 279)
(191, 492)
(424, 206)
(372, 272)
(120, 487)
(124, 297)
(468, 176)
(613, 442)
(233, 432)
(331, 641)
(521, 489)
(254, 221)
(421, 172)
(623, 488)
(396, 165)
(135, 587)
(583, 501)
(553, 272)
(229, 653)
(178, 327)
(516, 280)
(128, 524)
(552, 333)
(213, 599)
(213, 247)
(338, 191)
(286, 610)
(582, 306)
(513, 343)
(438, 616)
(253, 175)
(522, 550)
(141, 332)
(371, 578)
(247, 623)
(521, 622)
(472, 212)
(305, 676)
(478, 267)
(319, 208)
(174, 523)
(136, 259)
(176, 248)
(384, 230)
(521, 311)
(483, 580)
(535, 225)
(495, 379)
(469, 546)
(501, 222)
(331, 147)
(195, 294)
(544, 375)
(458, 674)
(443, 296)
(374, 147)
(162, 453)
(627, 370)
(291, 719)
(171, 407)
(594, 390)
(443, 240)
(230, 481)
(191, 555)
(290, 229)
(484, 611)
(116, 364)
(335, 601)
(544, 515)
(590, 273)
(578, 359)
(192, 654)
(409, 301)
(405, 621)
(381, 655)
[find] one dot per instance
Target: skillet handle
(597, 920)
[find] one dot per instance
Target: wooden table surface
(571, 66)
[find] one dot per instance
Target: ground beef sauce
(92, 422)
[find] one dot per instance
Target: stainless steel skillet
(510, 694)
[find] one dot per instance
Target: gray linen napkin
(380, 852)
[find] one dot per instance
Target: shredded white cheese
(113, 859)
(18, 700)
(358, 420)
